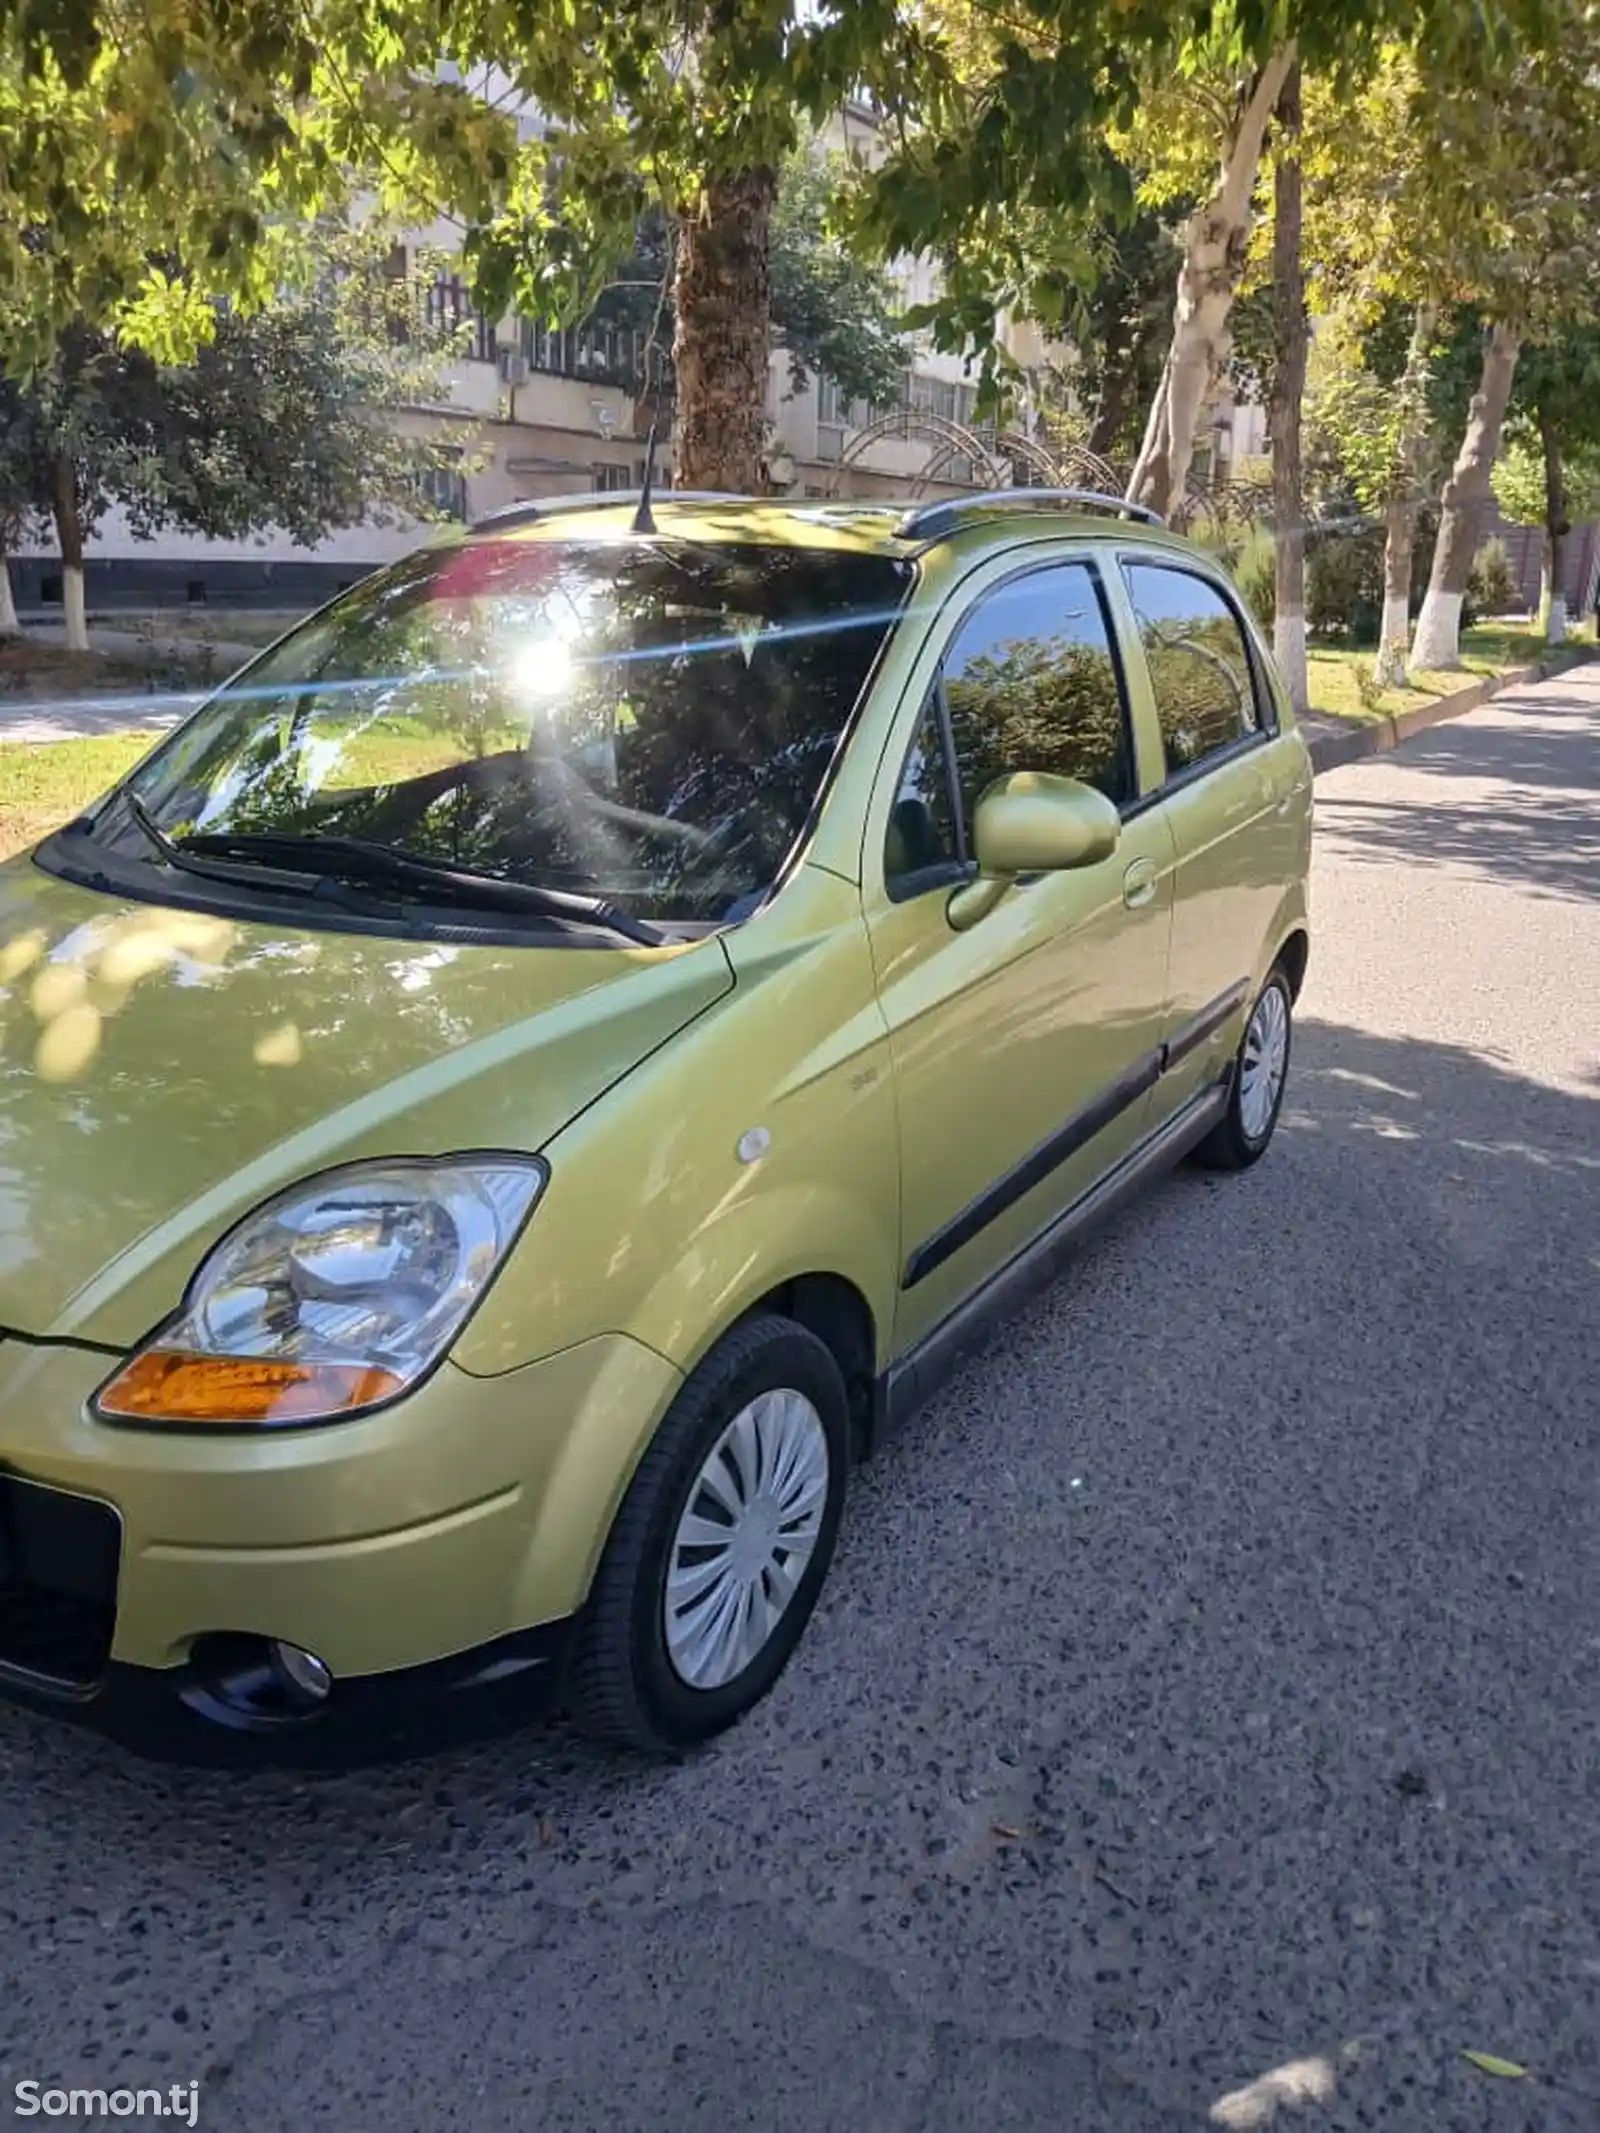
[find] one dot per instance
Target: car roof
(891, 528)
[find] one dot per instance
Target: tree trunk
(1117, 390)
(69, 539)
(1556, 529)
(720, 351)
(1400, 510)
(1288, 392)
(1438, 639)
(9, 625)
(1399, 544)
(1215, 240)
(1114, 390)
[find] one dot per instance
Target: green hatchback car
(502, 1109)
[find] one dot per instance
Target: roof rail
(932, 521)
(595, 500)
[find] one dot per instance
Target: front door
(1025, 1047)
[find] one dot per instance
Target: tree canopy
(284, 417)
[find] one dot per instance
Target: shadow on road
(1208, 1681)
(1534, 822)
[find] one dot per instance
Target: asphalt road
(1210, 1682)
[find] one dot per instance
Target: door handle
(1139, 883)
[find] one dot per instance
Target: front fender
(662, 1221)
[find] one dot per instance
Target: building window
(830, 420)
(450, 305)
(443, 489)
(608, 477)
(605, 355)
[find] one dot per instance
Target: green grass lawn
(1341, 681)
(48, 784)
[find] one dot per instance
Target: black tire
(622, 1685)
(1230, 1145)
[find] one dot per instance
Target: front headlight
(332, 1298)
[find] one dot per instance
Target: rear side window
(1200, 669)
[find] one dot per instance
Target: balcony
(596, 354)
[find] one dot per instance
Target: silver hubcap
(747, 1533)
(1266, 1054)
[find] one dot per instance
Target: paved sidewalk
(38, 720)
(91, 718)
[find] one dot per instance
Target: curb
(1331, 750)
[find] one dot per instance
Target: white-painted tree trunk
(1288, 394)
(1400, 511)
(1215, 241)
(9, 625)
(1556, 529)
(73, 609)
(1437, 643)
(69, 541)
(1438, 640)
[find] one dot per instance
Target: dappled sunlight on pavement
(1509, 795)
(1285, 2088)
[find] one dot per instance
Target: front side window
(1030, 683)
(646, 722)
(1199, 665)
(924, 843)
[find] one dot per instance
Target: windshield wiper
(298, 881)
(362, 860)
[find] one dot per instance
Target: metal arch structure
(1074, 466)
(1226, 503)
(997, 460)
(950, 440)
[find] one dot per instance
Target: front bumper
(438, 1545)
(175, 1714)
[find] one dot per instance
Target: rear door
(1024, 1047)
(1223, 789)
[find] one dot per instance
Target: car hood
(163, 1071)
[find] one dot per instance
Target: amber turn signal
(171, 1385)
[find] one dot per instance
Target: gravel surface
(1208, 1688)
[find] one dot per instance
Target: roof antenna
(644, 518)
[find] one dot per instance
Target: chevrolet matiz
(502, 1109)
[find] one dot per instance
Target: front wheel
(1260, 1073)
(720, 1549)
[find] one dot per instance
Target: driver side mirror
(1032, 823)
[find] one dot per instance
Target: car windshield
(647, 722)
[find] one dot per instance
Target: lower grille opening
(59, 1557)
